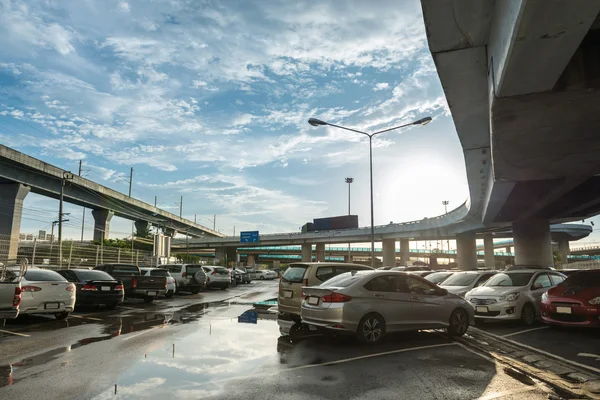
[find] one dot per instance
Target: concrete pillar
(532, 242)
(488, 251)
(466, 250)
(347, 258)
(564, 250)
(404, 251)
(170, 232)
(307, 252)
(102, 219)
(388, 247)
(251, 260)
(433, 263)
(231, 254)
(141, 226)
(508, 249)
(320, 252)
(11, 206)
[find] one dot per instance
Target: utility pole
(66, 176)
(194, 218)
(349, 181)
(130, 180)
(154, 201)
(445, 203)
(83, 216)
(234, 230)
(180, 206)
(214, 222)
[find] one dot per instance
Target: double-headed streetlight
(318, 122)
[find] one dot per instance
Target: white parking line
(525, 331)
(84, 317)
(14, 333)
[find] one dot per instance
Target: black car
(95, 287)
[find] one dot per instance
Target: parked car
(575, 301)
(94, 287)
(528, 267)
(422, 274)
(513, 295)
(569, 272)
(244, 276)
(171, 283)
(439, 277)
(44, 292)
(307, 274)
(388, 268)
(134, 283)
(10, 292)
(188, 277)
(461, 282)
(262, 274)
(373, 303)
(271, 274)
(217, 276)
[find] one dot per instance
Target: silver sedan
(373, 303)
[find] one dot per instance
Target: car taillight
(90, 288)
(17, 298)
(335, 298)
(119, 287)
(30, 289)
(70, 288)
(166, 283)
(134, 283)
(183, 275)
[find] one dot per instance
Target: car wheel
(148, 299)
(528, 314)
(61, 315)
(371, 328)
(195, 291)
(459, 323)
(262, 278)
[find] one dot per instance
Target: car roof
(328, 263)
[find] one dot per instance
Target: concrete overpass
(21, 174)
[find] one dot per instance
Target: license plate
(150, 293)
(481, 309)
(52, 306)
(563, 310)
(287, 294)
(313, 301)
(105, 288)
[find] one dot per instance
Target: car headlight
(595, 301)
(510, 297)
(545, 297)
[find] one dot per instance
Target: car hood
(494, 290)
(456, 289)
(574, 292)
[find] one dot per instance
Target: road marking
(84, 317)
(14, 333)
(132, 336)
(497, 395)
(596, 356)
(525, 331)
(127, 308)
(556, 357)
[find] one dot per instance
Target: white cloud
(381, 86)
(124, 6)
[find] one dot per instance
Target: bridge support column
(170, 232)
(508, 249)
(321, 252)
(306, 252)
(141, 226)
(11, 206)
(533, 244)
(388, 247)
(347, 258)
(488, 251)
(251, 260)
(433, 263)
(102, 219)
(564, 250)
(404, 251)
(466, 251)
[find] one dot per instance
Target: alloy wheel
(460, 323)
(372, 329)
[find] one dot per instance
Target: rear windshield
(438, 277)
(459, 279)
(192, 269)
(37, 275)
(295, 273)
(221, 270)
(159, 272)
(583, 279)
(125, 269)
(173, 268)
(510, 279)
(346, 279)
(88, 275)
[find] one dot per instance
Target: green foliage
(144, 233)
(188, 258)
(557, 259)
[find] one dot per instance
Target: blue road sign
(248, 317)
(249, 237)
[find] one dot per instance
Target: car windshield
(438, 277)
(346, 279)
(159, 272)
(39, 275)
(583, 279)
(295, 273)
(460, 279)
(510, 279)
(192, 269)
(89, 275)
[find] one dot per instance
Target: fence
(74, 254)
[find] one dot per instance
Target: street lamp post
(349, 181)
(318, 122)
(445, 203)
(67, 175)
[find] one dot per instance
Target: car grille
(487, 314)
(565, 304)
(568, 317)
(483, 302)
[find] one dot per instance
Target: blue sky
(209, 100)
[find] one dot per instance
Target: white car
(188, 277)
(461, 282)
(513, 295)
(271, 274)
(217, 276)
(171, 283)
(262, 274)
(45, 292)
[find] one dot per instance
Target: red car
(574, 302)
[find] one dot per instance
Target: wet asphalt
(193, 347)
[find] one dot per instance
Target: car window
(38, 275)
(418, 286)
(509, 279)
(192, 269)
(438, 277)
(542, 281)
(173, 268)
(89, 275)
(483, 278)
(386, 283)
(68, 275)
(460, 279)
(557, 279)
(159, 272)
(584, 279)
(345, 279)
(325, 273)
(125, 270)
(206, 270)
(295, 273)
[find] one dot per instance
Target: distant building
(50, 237)
(29, 236)
(42, 235)
(22, 236)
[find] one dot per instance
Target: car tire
(262, 278)
(528, 314)
(459, 322)
(148, 299)
(61, 315)
(371, 329)
(195, 291)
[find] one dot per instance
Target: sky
(209, 100)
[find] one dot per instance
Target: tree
(557, 259)
(143, 233)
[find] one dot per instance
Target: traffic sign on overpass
(249, 237)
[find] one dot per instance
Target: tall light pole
(67, 175)
(445, 203)
(349, 181)
(318, 122)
